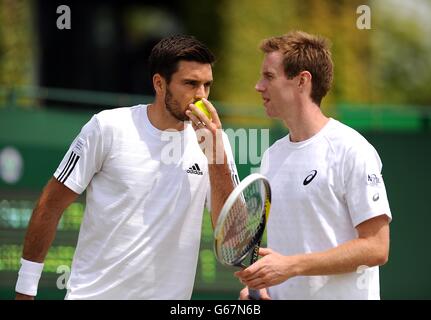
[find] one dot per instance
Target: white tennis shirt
(322, 188)
(146, 191)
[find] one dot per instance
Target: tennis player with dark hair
(328, 228)
(140, 234)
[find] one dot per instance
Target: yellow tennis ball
(201, 106)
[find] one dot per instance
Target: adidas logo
(195, 170)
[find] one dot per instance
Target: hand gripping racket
(241, 223)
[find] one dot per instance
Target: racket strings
(242, 224)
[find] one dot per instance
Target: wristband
(28, 277)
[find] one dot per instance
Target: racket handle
(253, 294)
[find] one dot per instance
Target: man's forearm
(342, 259)
(43, 223)
(371, 248)
(54, 200)
(221, 187)
(40, 234)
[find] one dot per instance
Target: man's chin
(271, 115)
(179, 116)
(184, 118)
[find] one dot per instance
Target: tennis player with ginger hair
(328, 228)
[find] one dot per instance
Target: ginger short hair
(305, 52)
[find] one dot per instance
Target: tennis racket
(241, 223)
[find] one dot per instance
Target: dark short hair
(169, 51)
(305, 52)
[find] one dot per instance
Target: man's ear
(159, 83)
(304, 78)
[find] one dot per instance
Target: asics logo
(310, 177)
(376, 197)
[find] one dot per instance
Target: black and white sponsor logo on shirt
(376, 197)
(79, 146)
(310, 177)
(373, 179)
(68, 168)
(195, 170)
(74, 156)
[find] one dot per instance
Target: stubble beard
(174, 108)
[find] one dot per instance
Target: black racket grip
(253, 294)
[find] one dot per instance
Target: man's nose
(200, 92)
(259, 87)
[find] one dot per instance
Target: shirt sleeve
(264, 164)
(365, 190)
(232, 167)
(83, 159)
